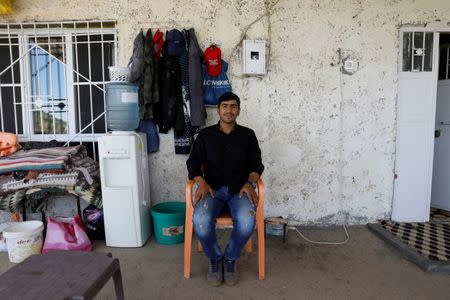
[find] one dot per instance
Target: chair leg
(249, 246)
(261, 250)
(118, 285)
(187, 249)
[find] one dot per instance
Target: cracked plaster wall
(328, 160)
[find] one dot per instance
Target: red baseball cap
(213, 60)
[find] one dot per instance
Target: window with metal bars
(52, 78)
(417, 51)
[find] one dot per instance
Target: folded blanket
(42, 180)
(68, 159)
(40, 159)
(80, 178)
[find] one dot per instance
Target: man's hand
(250, 191)
(202, 190)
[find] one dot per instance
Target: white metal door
(415, 125)
(440, 193)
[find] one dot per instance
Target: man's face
(228, 111)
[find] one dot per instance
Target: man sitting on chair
(231, 161)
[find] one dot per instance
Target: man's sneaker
(215, 272)
(231, 275)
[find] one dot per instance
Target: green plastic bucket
(168, 222)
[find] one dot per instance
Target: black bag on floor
(93, 218)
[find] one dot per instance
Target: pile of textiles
(33, 175)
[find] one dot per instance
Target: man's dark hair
(229, 96)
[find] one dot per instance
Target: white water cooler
(125, 188)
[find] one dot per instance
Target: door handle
(444, 123)
(437, 133)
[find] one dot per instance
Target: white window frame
(24, 35)
(27, 92)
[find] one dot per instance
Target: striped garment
(12, 201)
(43, 180)
(40, 159)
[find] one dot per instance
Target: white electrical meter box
(254, 57)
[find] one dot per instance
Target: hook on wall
(165, 25)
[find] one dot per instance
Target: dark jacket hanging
(184, 139)
(136, 63)
(197, 105)
(149, 81)
(169, 112)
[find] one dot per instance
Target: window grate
(417, 51)
(52, 78)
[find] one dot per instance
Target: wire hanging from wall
(267, 13)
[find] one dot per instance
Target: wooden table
(61, 275)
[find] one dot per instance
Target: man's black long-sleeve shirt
(228, 159)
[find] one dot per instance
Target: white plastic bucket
(23, 239)
(3, 226)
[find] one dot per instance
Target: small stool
(61, 275)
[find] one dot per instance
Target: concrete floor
(364, 268)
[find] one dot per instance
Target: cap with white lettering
(213, 60)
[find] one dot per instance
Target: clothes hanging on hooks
(195, 57)
(184, 139)
(149, 84)
(158, 42)
(177, 63)
(136, 63)
(169, 112)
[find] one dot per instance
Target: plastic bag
(215, 86)
(66, 234)
(93, 218)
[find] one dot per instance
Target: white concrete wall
(329, 159)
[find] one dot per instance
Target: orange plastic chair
(8, 143)
(225, 219)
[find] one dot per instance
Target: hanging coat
(197, 105)
(169, 111)
(136, 63)
(184, 139)
(150, 80)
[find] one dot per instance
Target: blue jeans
(242, 211)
